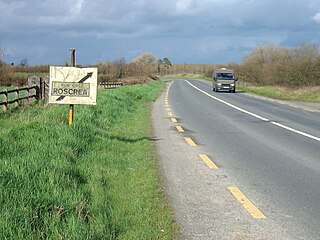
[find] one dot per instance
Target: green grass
(3, 88)
(301, 94)
(186, 75)
(97, 179)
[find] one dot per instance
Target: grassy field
(97, 179)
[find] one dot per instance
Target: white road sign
(71, 85)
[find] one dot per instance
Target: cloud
(127, 26)
(76, 9)
(316, 18)
(183, 6)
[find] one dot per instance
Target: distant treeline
(270, 65)
(142, 68)
(265, 65)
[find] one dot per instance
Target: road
(268, 150)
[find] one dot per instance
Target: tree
(119, 65)
(146, 59)
(166, 63)
(160, 62)
(2, 63)
(24, 62)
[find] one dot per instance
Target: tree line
(265, 65)
(146, 66)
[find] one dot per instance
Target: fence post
(46, 82)
(28, 95)
(5, 99)
(37, 91)
(41, 92)
(16, 100)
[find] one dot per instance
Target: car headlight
(232, 84)
(219, 84)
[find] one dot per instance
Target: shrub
(289, 67)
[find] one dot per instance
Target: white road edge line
(255, 115)
(296, 131)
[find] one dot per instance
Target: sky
(185, 31)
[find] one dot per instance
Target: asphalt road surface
(236, 166)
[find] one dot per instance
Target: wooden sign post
(71, 85)
(73, 64)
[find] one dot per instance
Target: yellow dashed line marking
(292, 106)
(167, 94)
(180, 129)
(208, 161)
(190, 142)
(309, 110)
(174, 120)
(247, 204)
(166, 101)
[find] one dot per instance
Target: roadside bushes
(18, 75)
(289, 67)
(12, 80)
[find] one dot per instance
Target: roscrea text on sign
(70, 89)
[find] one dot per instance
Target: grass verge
(97, 179)
(307, 94)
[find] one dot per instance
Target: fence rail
(110, 85)
(18, 95)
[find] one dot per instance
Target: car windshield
(225, 76)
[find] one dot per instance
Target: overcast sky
(185, 31)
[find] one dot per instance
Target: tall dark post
(73, 57)
(73, 63)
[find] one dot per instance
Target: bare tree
(24, 62)
(2, 63)
(146, 59)
(119, 65)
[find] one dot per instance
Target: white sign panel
(71, 85)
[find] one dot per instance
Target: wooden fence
(110, 85)
(19, 96)
(38, 88)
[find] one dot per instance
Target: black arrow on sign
(89, 75)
